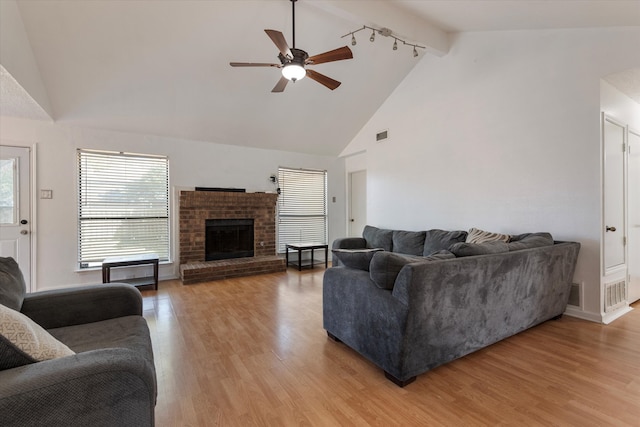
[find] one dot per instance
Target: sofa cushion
(356, 258)
(470, 249)
(29, 337)
(129, 332)
(480, 236)
(377, 237)
(385, 266)
(408, 242)
(12, 286)
(437, 240)
(530, 240)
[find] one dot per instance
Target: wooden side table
(299, 247)
(128, 261)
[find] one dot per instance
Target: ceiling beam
(385, 14)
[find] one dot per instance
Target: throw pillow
(356, 258)
(377, 237)
(471, 249)
(29, 337)
(12, 287)
(480, 236)
(530, 240)
(408, 242)
(437, 240)
(385, 266)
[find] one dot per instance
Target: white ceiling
(162, 67)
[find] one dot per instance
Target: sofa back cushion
(408, 242)
(530, 240)
(12, 286)
(471, 249)
(385, 266)
(437, 240)
(378, 238)
(355, 258)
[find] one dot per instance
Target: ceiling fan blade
(279, 87)
(278, 39)
(253, 64)
(333, 55)
(323, 80)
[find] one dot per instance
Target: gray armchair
(111, 379)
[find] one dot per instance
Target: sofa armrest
(346, 243)
(114, 386)
(86, 304)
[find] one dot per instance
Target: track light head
(395, 45)
(353, 39)
(373, 36)
(415, 52)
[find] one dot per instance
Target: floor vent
(615, 296)
(574, 295)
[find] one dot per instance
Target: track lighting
(386, 33)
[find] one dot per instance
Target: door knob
(24, 232)
(24, 221)
(612, 229)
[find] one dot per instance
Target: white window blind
(123, 206)
(302, 207)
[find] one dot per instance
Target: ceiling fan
(293, 61)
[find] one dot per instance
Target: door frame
(33, 235)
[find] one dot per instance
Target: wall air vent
(574, 295)
(615, 296)
(382, 135)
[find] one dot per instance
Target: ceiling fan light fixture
(293, 72)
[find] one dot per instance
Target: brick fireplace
(196, 207)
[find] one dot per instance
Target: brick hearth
(198, 206)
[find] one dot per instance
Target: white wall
(502, 134)
(191, 163)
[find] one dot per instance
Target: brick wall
(198, 206)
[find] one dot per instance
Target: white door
(15, 209)
(633, 243)
(614, 212)
(357, 202)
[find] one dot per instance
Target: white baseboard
(610, 317)
(584, 315)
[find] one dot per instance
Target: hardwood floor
(252, 352)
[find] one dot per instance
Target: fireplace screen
(228, 238)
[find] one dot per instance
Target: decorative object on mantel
(293, 61)
(223, 190)
(386, 33)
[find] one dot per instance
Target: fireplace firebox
(228, 238)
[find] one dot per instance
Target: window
(123, 206)
(302, 206)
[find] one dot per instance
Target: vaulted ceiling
(162, 67)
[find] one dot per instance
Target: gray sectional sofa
(411, 301)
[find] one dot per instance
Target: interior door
(15, 208)
(614, 194)
(633, 243)
(357, 202)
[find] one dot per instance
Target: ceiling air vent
(381, 136)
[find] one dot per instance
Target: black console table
(128, 261)
(299, 247)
